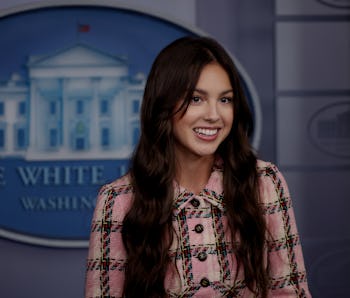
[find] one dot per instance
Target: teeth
(205, 131)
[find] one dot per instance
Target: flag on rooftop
(83, 28)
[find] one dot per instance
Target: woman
(197, 215)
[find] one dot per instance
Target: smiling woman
(203, 126)
(197, 215)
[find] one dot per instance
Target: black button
(202, 256)
(199, 228)
(204, 282)
(195, 202)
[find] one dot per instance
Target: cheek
(187, 119)
(228, 117)
(178, 127)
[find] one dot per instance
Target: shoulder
(114, 199)
(272, 184)
(119, 186)
(268, 169)
(263, 166)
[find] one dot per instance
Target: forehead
(213, 77)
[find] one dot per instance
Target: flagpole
(81, 28)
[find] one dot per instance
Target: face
(208, 118)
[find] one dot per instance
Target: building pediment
(77, 55)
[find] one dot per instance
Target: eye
(226, 99)
(195, 100)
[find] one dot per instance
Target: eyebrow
(203, 92)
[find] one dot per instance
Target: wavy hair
(147, 229)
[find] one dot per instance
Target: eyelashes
(198, 99)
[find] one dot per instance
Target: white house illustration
(79, 103)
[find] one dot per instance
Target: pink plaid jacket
(203, 264)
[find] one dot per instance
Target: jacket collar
(212, 192)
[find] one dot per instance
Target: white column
(65, 117)
(94, 124)
(33, 117)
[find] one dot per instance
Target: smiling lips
(207, 133)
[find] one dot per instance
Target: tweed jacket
(203, 263)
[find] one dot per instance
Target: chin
(205, 153)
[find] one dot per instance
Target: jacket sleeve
(106, 257)
(284, 253)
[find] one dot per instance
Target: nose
(212, 113)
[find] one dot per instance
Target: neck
(193, 172)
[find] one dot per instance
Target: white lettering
(28, 203)
(30, 175)
(96, 173)
(67, 175)
(80, 174)
(64, 203)
(53, 176)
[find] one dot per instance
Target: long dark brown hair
(147, 229)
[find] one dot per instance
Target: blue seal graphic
(71, 86)
(329, 129)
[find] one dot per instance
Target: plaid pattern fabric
(203, 263)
